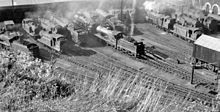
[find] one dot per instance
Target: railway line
(171, 68)
(101, 66)
(108, 63)
(146, 79)
(149, 81)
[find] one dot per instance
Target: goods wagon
(206, 52)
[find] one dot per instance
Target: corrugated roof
(208, 42)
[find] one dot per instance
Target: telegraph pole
(192, 74)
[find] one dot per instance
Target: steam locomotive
(11, 39)
(128, 45)
(183, 27)
(44, 32)
(192, 30)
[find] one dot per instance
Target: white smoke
(160, 5)
(149, 5)
(132, 17)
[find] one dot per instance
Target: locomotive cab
(168, 23)
(30, 26)
(140, 49)
(8, 25)
(52, 40)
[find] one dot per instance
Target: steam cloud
(65, 10)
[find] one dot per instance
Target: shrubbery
(33, 86)
(24, 78)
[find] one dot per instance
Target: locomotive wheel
(4, 47)
(199, 63)
(213, 68)
(216, 69)
(177, 35)
(205, 65)
(107, 44)
(133, 55)
(182, 37)
(1, 46)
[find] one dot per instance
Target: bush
(27, 88)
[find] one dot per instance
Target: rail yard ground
(96, 77)
(171, 45)
(94, 58)
(164, 42)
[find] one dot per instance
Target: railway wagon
(206, 52)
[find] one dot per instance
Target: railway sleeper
(148, 84)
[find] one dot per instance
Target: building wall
(214, 5)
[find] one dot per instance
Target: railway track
(148, 80)
(160, 84)
(186, 48)
(110, 62)
(171, 69)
